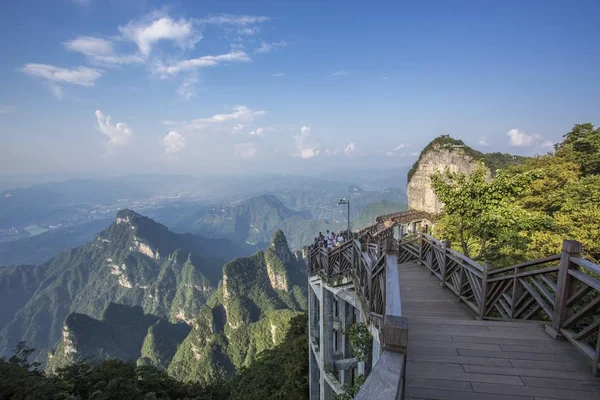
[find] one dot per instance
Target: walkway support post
(565, 287)
(326, 340)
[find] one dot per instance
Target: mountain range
(135, 261)
(193, 306)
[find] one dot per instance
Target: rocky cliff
(249, 313)
(135, 261)
(444, 153)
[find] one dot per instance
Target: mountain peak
(126, 216)
(280, 245)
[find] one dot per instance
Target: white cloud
(389, 154)
(248, 31)
(156, 27)
(100, 50)
(548, 143)
(305, 150)
(173, 143)
(483, 142)
(350, 150)
(257, 132)
(268, 47)
(204, 61)
(339, 73)
(187, 89)
(331, 152)
(238, 115)
(519, 139)
(118, 135)
(4, 109)
(82, 76)
(240, 112)
(414, 154)
(244, 150)
(237, 20)
(401, 146)
(278, 74)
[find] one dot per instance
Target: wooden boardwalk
(452, 356)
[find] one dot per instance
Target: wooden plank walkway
(452, 356)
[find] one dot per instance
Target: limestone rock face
(419, 191)
(277, 276)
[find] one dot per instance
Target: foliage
(360, 339)
(351, 391)
(493, 161)
(279, 373)
(527, 210)
(108, 379)
(582, 145)
(482, 215)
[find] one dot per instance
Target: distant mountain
(135, 261)
(370, 211)
(252, 221)
(250, 312)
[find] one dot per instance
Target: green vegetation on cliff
(527, 210)
(492, 161)
(281, 372)
(135, 262)
(249, 313)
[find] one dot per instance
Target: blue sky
(286, 86)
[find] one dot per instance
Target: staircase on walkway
(446, 327)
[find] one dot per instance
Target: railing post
(517, 292)
(484, 289)
(461, 281)
(444, 267)
(421, 241)
(596, 366)
(564, 286)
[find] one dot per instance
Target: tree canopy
(526, 210)
(280, 373)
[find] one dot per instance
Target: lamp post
(343, 201)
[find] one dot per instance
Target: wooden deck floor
(452, 356)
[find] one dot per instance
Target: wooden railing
(363, 262)
(373, 267)
(562, 291)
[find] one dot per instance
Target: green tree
(582, 145)
(482, 214)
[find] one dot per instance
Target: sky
(111, 87)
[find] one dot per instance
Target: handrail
(565, 296)
(374, 269)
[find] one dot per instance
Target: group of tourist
(331, 240)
